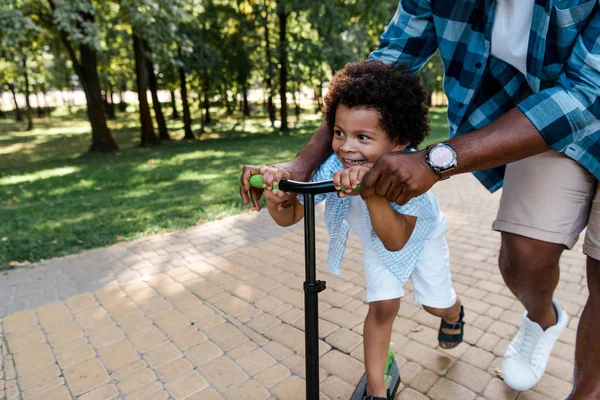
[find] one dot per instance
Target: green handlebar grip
(257, 182)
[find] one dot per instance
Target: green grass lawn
(56, 199)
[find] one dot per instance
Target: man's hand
(399, 176)
(271, 176)
(255, 193)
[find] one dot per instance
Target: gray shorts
(552, 198)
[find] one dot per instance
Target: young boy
(371, 109)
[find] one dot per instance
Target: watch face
(441, 156)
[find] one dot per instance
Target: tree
(74, 24)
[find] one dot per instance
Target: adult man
(525, 85)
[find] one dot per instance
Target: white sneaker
(527, 355)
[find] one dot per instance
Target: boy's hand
(349, 178)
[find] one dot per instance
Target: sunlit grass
(57, 199)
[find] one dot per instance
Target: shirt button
(478, 64)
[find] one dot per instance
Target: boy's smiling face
(358, 139)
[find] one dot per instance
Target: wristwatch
(441, 157)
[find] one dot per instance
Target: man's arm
(551, 118)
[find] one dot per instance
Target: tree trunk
(175, 114)
(40, 112)
(46, 107)
(111, 102)
(28, 110)
(246, 109)
(187, 120)
(18, 116)
(86, 68)
(296, 105)
(122, 104)
(283, 70)
(207, 118)
(147, 136)
(102, 140)
(163, 134)
(270, 105)
(228, 109)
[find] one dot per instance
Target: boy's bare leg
(377, 335)
(451, 316)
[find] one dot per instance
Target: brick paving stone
(86, 376)
(106, 392)
(172, 369)
(147, 338)
(150, 391)
(207, 394)
(427, 357)
(75, 355)
(222, 373)
(272, 375)
(42, 389)
(128, 369)
(445, 389)
(203, 352)
(186, 385)
(33, 359)
(162, 355)
(410, 394)
(497, 389)
(344, 340)
(118, 354)
(423, 381)
(471, 377)
(39, 377)
(255, 361)
(19, 341)
(478, 357)
(249, 390)
(136, 380)
(343, 366)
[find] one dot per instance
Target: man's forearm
(311, 156)
(510, 138)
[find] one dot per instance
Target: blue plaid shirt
(400, 263)
(559, 94)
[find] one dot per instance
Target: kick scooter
(312, 287)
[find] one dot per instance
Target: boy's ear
(399, 146)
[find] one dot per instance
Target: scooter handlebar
(299, 187)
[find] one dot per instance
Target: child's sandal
(459, 325)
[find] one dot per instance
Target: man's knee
(519, 253)
(593, 278)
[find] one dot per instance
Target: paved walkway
(215, 312)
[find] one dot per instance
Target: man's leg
(530, 269)
(545, 204)
(587, 351)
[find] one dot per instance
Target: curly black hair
(390, 90)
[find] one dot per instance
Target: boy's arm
(285, 216)
(392, 228)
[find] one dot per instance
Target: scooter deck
(392, 380)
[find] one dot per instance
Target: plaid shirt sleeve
(410, 37)
(569, 112)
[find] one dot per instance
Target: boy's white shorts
(431, 277)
